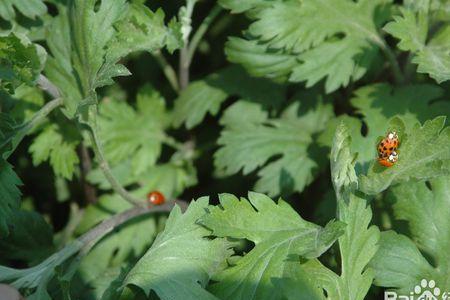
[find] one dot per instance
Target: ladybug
(156, 198)
(387, 149)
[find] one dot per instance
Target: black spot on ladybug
(384, 148)
(382, 144)
(392, 148)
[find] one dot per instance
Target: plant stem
(186, 28)
(398, 75)
(167, 69)
(90, 237)
(86, 166)
(47, 86)
(215, 11)
(38, 117)
(104, 166)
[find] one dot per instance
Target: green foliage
(280, 236)
(30, 239)
(119, 123)
(423, 154)
(89, 42)
(35, 279)
(182, 260)
(29, 8)
(20, 61)
(342, 163)
(106, 263)
(206, 96)
(432, 51)
(359, 243)
(339, 50)
(286, 97)
(59, 149)
(251, 139)
(378, 103)
(9, 195)
(399, 263)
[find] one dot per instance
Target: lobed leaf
(59, 149)
(30, 239)
(402, 263)
(205, 96)
(181, 260)
(90, 42)
(29, 8)
(103, 269)
(20, 61)
(9, 196)
(416, 161)
(432, 52)
(138, 134)
(280, 236)
(290, 39)
(342, 163)
(250, 139)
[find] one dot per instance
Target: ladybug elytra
(156, 198)
(387, 149)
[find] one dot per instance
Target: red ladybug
(387, 149)
(156, 198)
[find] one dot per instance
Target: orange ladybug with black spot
(388, 149)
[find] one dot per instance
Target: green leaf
(399, 263)
(59, 149)
(34, 280)
(357, 246)
(206, 96)
(29, 8)
(20, 61)
(181, 260)
(342, 162)
(250, 139)
(30, 239)
(89, 42)
(171, 178)
(378, 103)
(26, 101)
(144, 30)
(280, 236)
(114, 252)
(258, 60)
(423, 154)
(295, 33)
(432, 53)
(9, 196)
(139, 133)
(8, 131)
(237, 6)
(296, 284)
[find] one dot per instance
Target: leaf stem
(38, 117)
(215, 11)
(104, 166)
(398, 75)
(86, 166)
(90, 237)
(167, 69)
(186, 28)
(47, 86)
